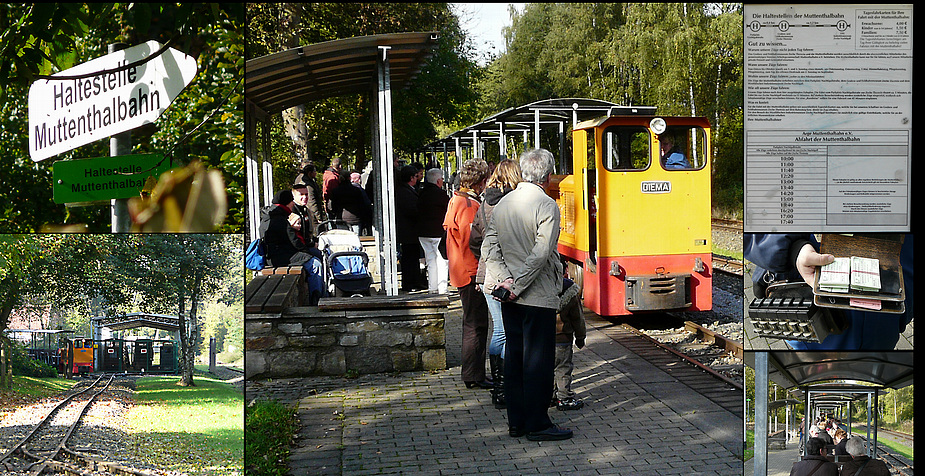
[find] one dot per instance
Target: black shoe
(515, 432)
(569, 403)
(482, 384)
(553, 433)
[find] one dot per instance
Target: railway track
(723, 390)
(730, 225)
(45, 449)
(897, 463)
(728, 265)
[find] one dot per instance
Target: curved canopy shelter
(371, 65)
(826, 381)
(134, 320)
(528, 121)
(800, 369)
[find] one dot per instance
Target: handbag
(256, 257)
(442, 246)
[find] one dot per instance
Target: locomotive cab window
(682, 148)
(625, 148)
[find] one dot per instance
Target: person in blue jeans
(505, 178)
(520, 247)
(795, 256)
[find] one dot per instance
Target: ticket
(865, 274)
(834, 277)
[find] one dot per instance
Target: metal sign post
(120, 144)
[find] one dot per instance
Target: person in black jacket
(814, 462)
(406, 229)
(432, 203)
(351, 204)
(284, 248)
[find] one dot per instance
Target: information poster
(828, 118)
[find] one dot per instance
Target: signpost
(104, 178)
(103, 97)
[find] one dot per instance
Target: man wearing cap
(280, 238)
(311, 206)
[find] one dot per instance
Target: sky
(484, 22)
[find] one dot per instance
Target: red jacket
(458, 225)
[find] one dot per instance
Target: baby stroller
(345, 262)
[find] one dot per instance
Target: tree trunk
(6, 378)
(186, 374)
(293, 118)
(298, 133)
(193, 330)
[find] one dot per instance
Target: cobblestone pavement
(637, 420)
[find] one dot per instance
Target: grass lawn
(270, 426)
(197, 430)
(27, 390)
(40, 387)
(749, 445)
(730, 253)
(895, 447)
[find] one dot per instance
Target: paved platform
(637, 420)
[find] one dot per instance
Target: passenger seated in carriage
(285, 248)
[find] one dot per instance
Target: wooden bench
(271, 293)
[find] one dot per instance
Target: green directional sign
(104, 178)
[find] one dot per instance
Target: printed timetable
(828, 118)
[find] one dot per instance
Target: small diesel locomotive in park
(635, 212)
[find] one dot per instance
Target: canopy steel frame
(372, 65)
(824, 377)
(530, 120)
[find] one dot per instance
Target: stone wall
(308, 341)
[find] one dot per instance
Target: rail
(39, 451)
(731, 225)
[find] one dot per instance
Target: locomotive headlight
(658, 125)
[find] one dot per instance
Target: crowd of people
(858, 464)
(826, 438)
(472, 235)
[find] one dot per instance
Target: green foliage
(41, 39)
(684, 58)
(268, 427)
(24, 366)
(443, 91)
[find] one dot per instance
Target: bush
(24, 366)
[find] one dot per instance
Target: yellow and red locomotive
(635, 212)
(76, 356)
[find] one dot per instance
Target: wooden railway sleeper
(98, 464)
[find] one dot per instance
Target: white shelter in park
(371, 65)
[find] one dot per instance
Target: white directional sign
(68, 113)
